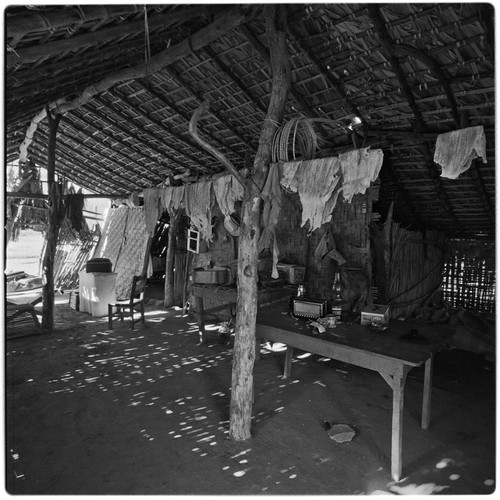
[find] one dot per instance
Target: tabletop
(410, 340)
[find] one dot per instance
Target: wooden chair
(129, 306)
(22, 319)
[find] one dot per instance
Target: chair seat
(135, 303)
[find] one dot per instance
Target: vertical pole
(426, 404)
(398, 388)
(56, 214)
(246, 307)
(170, 258)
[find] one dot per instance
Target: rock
(341, 433)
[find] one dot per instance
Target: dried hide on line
(152, 199)
(315, 181)
(328, 248)
(455, 150)
(360, 168)
(271, 195)
(198, 202)
(227, 191)
(172, 198)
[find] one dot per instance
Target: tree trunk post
(170, 258)
(56, 213)
(246, 308)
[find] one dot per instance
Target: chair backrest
(138, 288)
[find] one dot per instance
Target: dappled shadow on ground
(98, 411)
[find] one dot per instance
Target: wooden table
(227, 295)
(384, 352)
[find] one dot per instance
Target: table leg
(288, 362)
(426, 403)
(201, 318)
(397, 430)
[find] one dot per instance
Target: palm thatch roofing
(128, 79)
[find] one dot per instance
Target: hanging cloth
(152, 210)
(74, 209)
(227, 191)
(271, 195)
(198, 202)
(456, 150)
(315, 181)
(360, 167)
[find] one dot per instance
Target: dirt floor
(96, 411)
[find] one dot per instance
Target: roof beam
(77, 173)
(131, 105)
(228, 20)
(263, 51)
(164, 21)
(249, 141)
(407, 50)
(385, 41)
(334, 82)
(128, 133)
(123, 144)
(225, 69)
(177, 110)
(113, 173)
(21, 24)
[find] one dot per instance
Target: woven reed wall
(124, 242)
(469, 275)
(350, 228)
(72, 253)
(415, 269)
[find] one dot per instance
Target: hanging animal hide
(360, 167)
(198, 202)
(172, 198)
(152, 198)
(227, 191)
(456, 150)
(315, 181)
(271, 195)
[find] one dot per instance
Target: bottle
(337, 296)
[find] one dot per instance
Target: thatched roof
(409, 71)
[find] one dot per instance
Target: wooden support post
(200, 308)
(56, 214)
(287, 371)
(426, 403)
(246, 309)
(173, 229)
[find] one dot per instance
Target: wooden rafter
(73, 172)
(21, 24)
(82, 147)
(233, 128)
(237, 81)
(162, 126)
(263, 51)
(164, 21)
(406, 50)
(379, 25)
(334, 82)
(117, 157)
(177, 110)
(145, 152)
(228, 20)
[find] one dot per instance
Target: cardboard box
(212, 276)
(293, 274)
(379, 311)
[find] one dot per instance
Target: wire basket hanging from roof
(297, 134)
